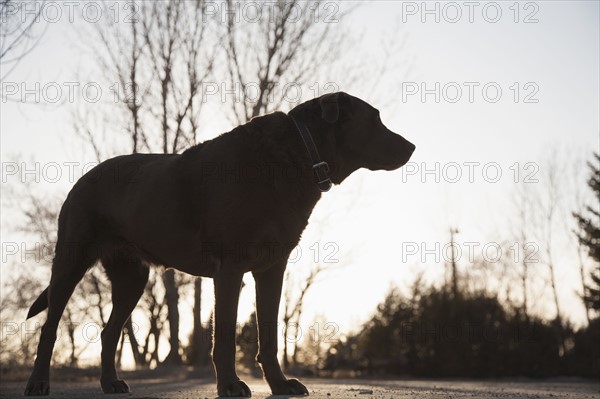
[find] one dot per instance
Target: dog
(235, 204)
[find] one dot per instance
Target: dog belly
(187, 256)
(207, 259)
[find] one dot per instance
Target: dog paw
(37, 388)
(234, 389)
(289, 387)
(114, 386)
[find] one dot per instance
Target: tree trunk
(583, 286)
(524, 285)
(296, 338)
(119, 355)
(296, 349)
(135, 346)
(286, 359)
(524, 254)
(172, 299)
(73, 357)
(554, 290)
(561, 331)
(197, 349)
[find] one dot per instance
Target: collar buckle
(321, 170)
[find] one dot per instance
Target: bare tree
(18, 36)
(198, 349)
(163, 58)
(292, 312)
(299, 281)
(548, 205)
(155, 308)
(18, 290)
(40, 221)
(275, 53)
(523, 250)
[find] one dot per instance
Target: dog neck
(320, 168)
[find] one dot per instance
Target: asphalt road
(329, 389)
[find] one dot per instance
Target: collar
(320, 168)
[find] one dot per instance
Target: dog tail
(40, 304)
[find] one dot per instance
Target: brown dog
(231, 205)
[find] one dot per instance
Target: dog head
(350, 135)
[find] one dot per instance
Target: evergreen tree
(589, 237)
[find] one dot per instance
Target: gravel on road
(330, 389)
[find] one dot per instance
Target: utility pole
(453, 231)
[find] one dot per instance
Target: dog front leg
(227, 292)
(268, 294)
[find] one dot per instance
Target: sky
(545, 52)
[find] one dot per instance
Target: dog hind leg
(128, 276)
(69, 266)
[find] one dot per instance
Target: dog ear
(330, 107)
(335, 106)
